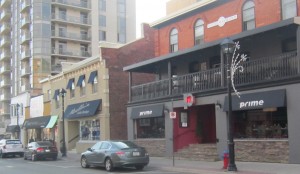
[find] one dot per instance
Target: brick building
(97, 93)
(190, 70)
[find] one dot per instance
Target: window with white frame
(93, 80)
(199, 32)
(82, 89)
(288, 9)
(248, 15)
(174, 40)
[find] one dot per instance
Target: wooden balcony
(266, 70)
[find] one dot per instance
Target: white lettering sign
(80, 109)
(251, 103)
(221, 21)
(143, 113)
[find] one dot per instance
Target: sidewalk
(202, 167)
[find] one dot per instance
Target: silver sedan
(111, 154)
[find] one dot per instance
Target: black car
(40, 150)
(110, 154)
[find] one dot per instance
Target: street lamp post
(18, 127)
(228, 46)
(63, 150)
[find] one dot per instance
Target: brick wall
(262, 151)
(116, 59)
(265, 13)
(155, 147)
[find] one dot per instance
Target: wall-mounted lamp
(218, 105)
(166, 111)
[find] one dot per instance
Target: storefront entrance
(195, 125)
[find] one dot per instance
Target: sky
(148, 11)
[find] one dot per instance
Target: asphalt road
(18, 165)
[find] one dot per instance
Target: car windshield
(44, 143)
(125, 144)
(13, 142)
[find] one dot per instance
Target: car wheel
(108, 164)
(84, 163)
(33, 157)
(54, 158)
(139, 167)
(25, 158)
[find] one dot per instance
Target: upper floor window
(102, 5)
(102, 21)
(71, 87)
(93, 80)
(199, 32)
(289, 8)
(174, 40)
(81, 84)
(248, 16)
(102, 35)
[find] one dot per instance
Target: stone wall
(273, 151)
(155, 147)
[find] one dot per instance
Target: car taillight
(40, 149)
(120, 153)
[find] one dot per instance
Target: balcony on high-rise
(5, 14)
(82, 21)
(5, 83)
(25, 54)
(26, 37)
(25, 5)
(5, 28)
(25, 71)
(70, 3)
(5, 55)
(5, 68)
(5, 3)
(5, 97)
(5, 41)
(25, 21)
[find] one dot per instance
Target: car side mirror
(26, 147)
(90, 149)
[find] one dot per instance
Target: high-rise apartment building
(36, 36)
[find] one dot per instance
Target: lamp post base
(232, 167)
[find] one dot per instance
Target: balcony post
(130, 85)
(170, 77)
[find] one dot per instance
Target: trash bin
(225, 159)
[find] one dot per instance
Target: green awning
(52, 121)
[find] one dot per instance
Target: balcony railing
(72, 36)
(261, 70)
(71, 19)
(73, 53)
(81, 4)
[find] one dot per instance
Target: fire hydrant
(225, 159)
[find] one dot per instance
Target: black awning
(92, 77)
(69, 85)
(259, 100)
(81, 78)
(147, 111)
(13, 128)
(56, 93)
(37, 122)
(84, 109)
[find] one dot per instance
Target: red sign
(173, 115)
(189, 99)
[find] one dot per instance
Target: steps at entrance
(198, 152)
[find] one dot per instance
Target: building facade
(93, 107)
(185, 108)
(36, 36)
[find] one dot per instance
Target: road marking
(54, 165)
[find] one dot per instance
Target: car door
(92, 155)
(105, 146)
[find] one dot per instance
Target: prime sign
(254, 103)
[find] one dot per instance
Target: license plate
(135, 153)
(47, 150)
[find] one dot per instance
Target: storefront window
(90, 130)
(266, 123)
(151, 127)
